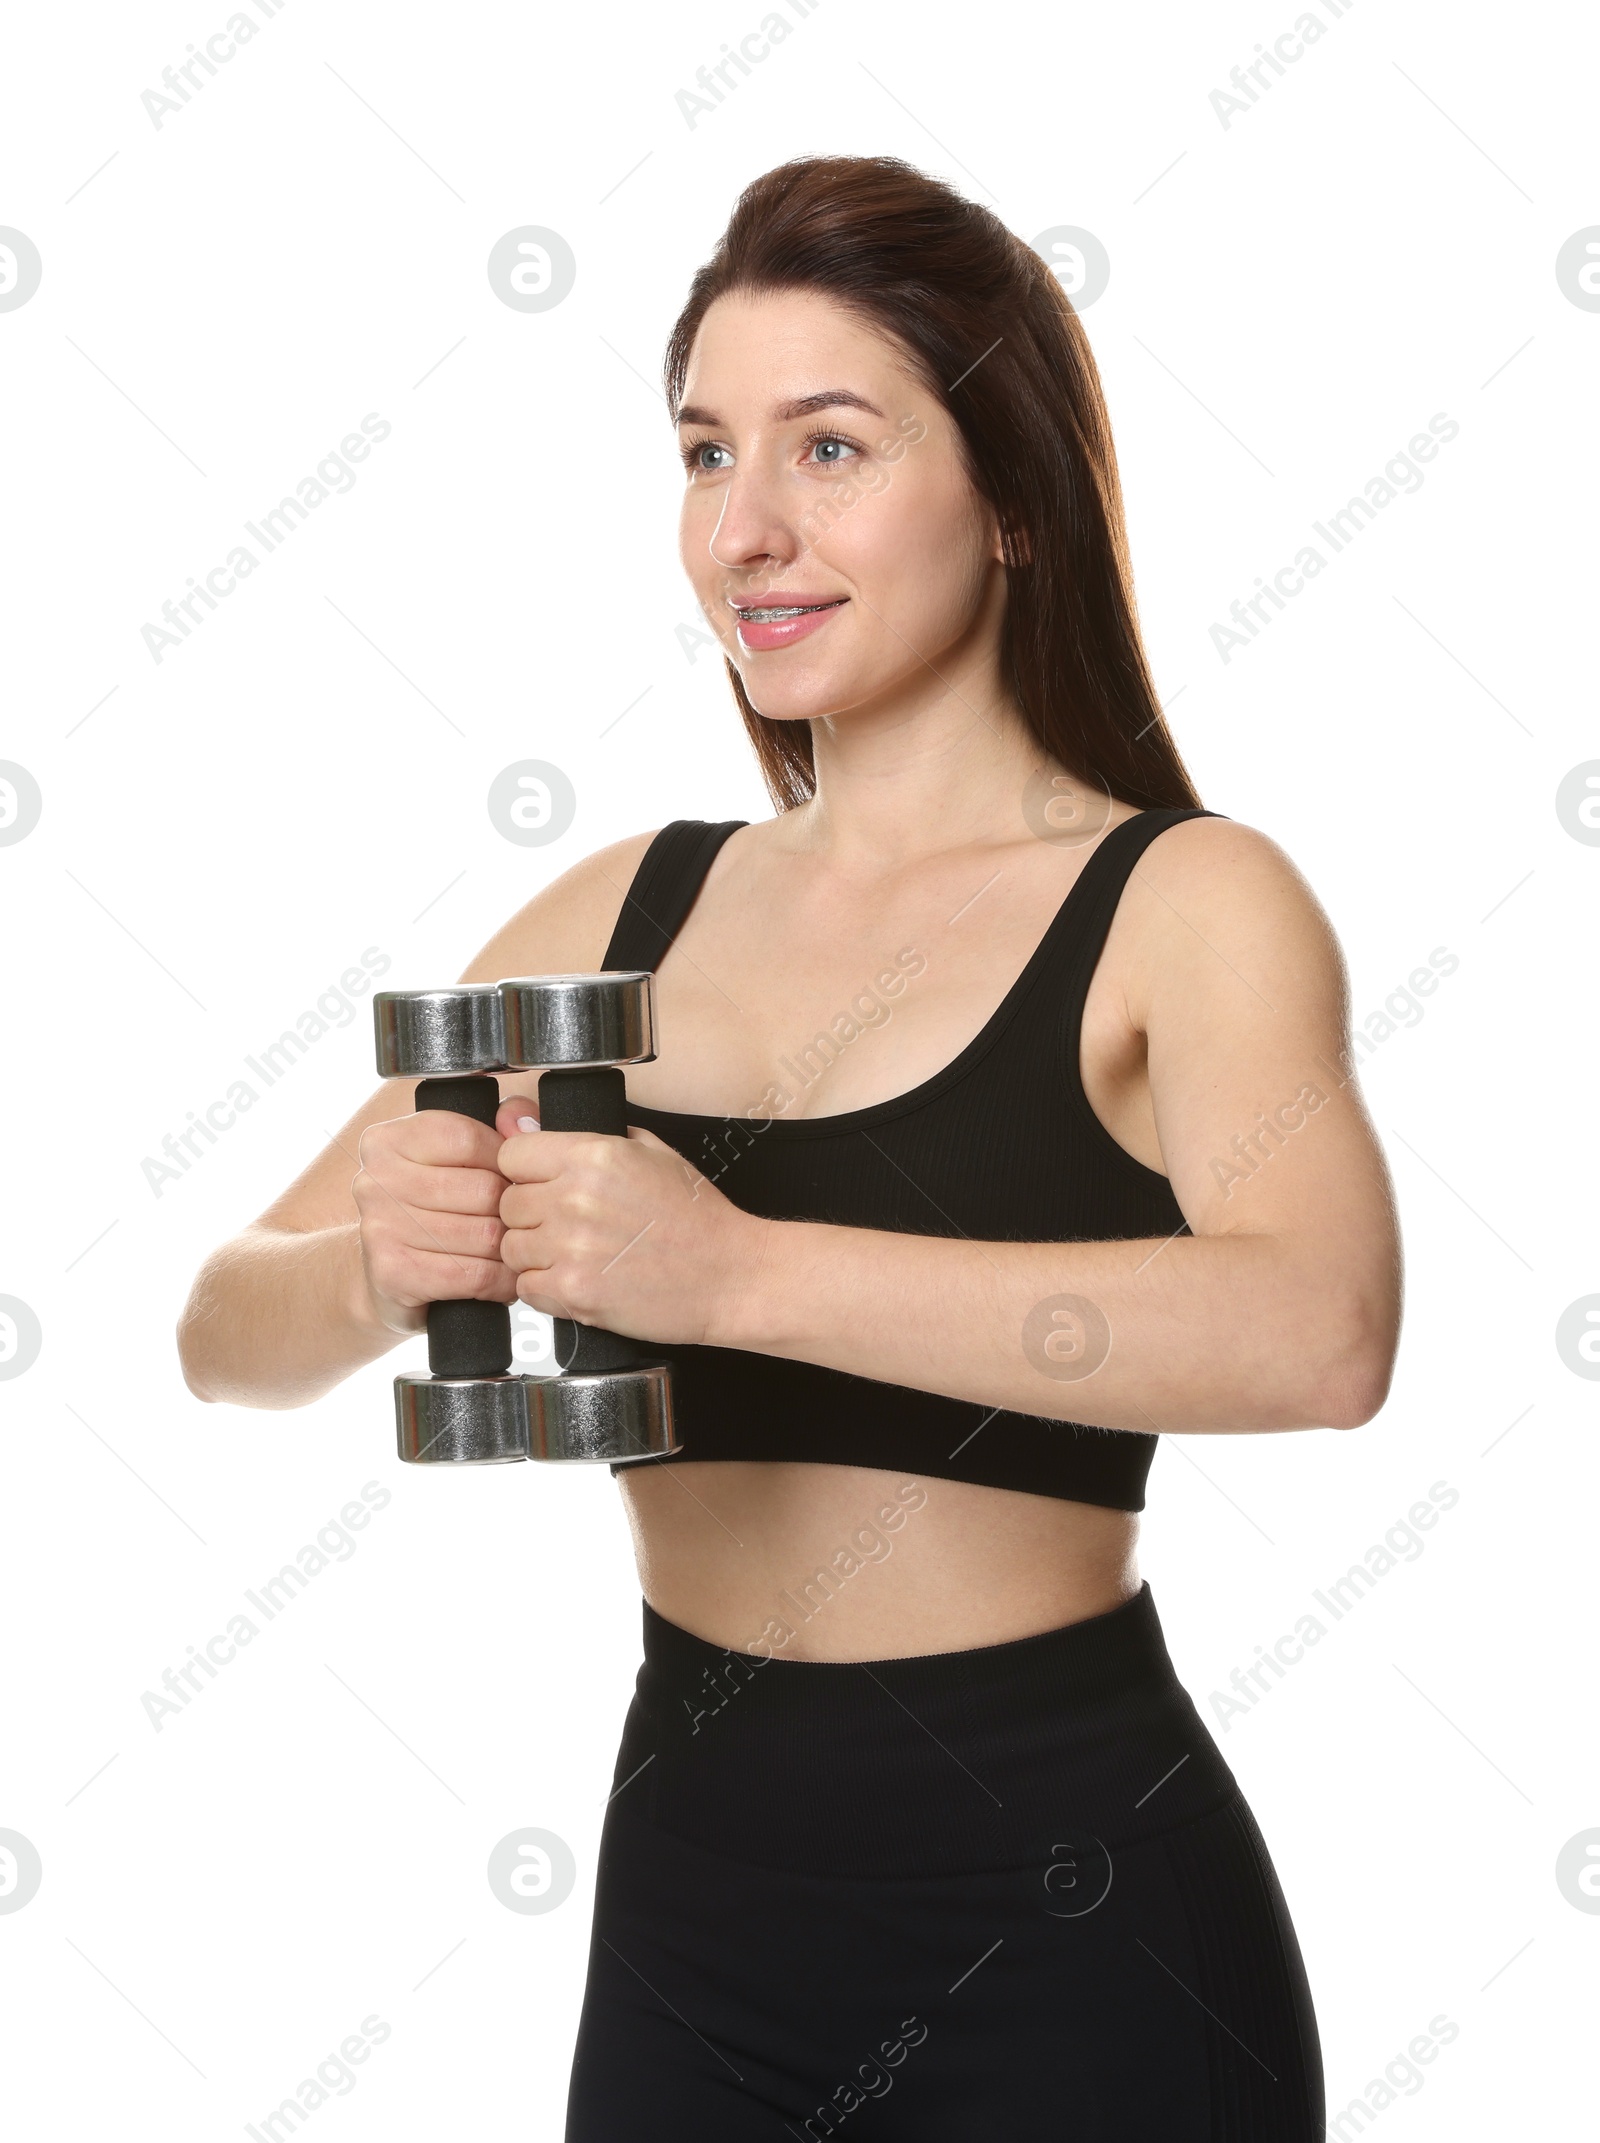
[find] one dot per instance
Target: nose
(753, 534)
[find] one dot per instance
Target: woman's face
(821, 472)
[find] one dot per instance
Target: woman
(996, 1128)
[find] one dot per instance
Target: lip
(761, 638)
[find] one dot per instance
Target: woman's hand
(624, 1234)
(428, 1194)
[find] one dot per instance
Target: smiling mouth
(776, 614)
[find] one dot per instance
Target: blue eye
(696, 448)
(819, 440)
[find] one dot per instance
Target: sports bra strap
(1088, 913)
(664, 889)
(1094, 898)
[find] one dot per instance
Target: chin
(811, 696)
(796, 702)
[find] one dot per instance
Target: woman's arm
(1281, 1311)
(288, 1308)
(282, 1312)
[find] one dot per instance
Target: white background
(1292, 297)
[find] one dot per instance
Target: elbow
(1352, 1401)
(187, 1365)
(1356, 1369)
(197, 1320)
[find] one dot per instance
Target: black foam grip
(593, 1097)
(590, 1098)
(466, 1339)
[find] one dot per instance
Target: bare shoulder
(1212, 898)
(566, 927)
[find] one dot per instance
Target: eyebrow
(786, 412)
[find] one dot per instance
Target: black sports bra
(1000, 1146)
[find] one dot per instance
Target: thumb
(516, 1113)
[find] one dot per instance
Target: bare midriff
(800, 1561)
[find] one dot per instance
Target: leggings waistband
(968, 1758)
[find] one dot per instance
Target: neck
(941, 762)
(893, 786)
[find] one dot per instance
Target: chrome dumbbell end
(578, 1022)
(612, 1418)
(422, 1034)
(463, 1421)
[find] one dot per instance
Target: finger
(516, 1113)
(439, 1138)
(434, 1277)
(390, 1222)
(521, 1251)
(435, 1188)
(522, 1205)
(533, 1289)
(538, 1156)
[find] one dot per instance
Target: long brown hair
(969, 303)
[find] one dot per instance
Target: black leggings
(969, 1897)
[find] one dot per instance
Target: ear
(1012, 547)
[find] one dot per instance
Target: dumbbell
(611, 1400)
